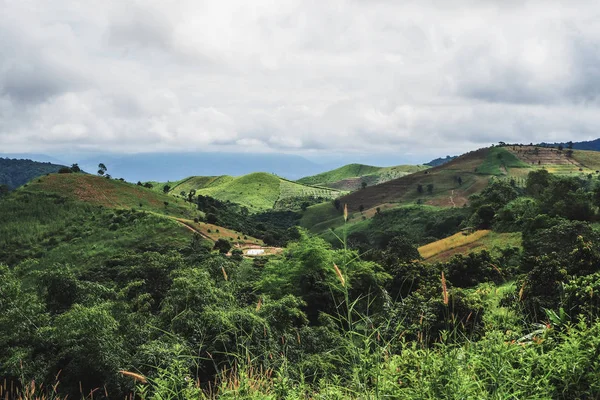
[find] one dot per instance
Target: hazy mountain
(174, 166)
(585, 145)
(440, 161)
(43, 158)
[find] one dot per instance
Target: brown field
(442, 250)
(457, 240)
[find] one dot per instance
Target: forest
(360, 317)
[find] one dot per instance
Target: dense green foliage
(365, 319)
(14, 173)
(275, 228)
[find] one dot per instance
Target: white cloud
(296, 76)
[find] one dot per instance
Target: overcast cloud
(305, 77)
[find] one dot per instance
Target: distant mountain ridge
(164, 167)
(593, 145)
(440, 161)
(17, 172)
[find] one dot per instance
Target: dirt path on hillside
(247, 246)
(191, 228)
(452, 199)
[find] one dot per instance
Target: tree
(4, 190)
(191, 195)
(570, 145)
(430, 188)
(223, 246)
(363, 184)
(166, 189)
(101, 169)
(75, 168)
(361, 208)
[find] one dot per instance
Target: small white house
(255, 252)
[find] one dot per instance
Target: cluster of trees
(274, 228)
(14, 173)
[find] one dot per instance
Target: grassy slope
(94, 216)
(351, 177)
(257, 191)
(443, 179)
(459, 243)
(110, 193)
(347, 171)
(55, 228)
(498, 161)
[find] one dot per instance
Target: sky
(323, 79)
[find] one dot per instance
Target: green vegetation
(498, 161)
(355, 176)
(14, 173)
(257, 192)
(345, 172)
(121, 303)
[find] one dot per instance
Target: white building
(255, 252)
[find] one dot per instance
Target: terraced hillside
(446, 185)
(257, 191)
(440, 185)
(352, 176)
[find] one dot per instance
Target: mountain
(593, 145)
(257, 191)
(449, 185)
(43, 158)
(164, 167)
(17, 172)
(440, 161)
(354, 176)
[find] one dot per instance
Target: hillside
(451, 184)
(465, 243)
(106, 285)
(258, 191)
(353, 176)
(105, 214)
(15, 172)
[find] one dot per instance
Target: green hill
(451, 184)
(81, 218)
(353, 176)
(258, 191)
(345, 172)
(14, 173)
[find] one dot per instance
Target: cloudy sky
(299, 76)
